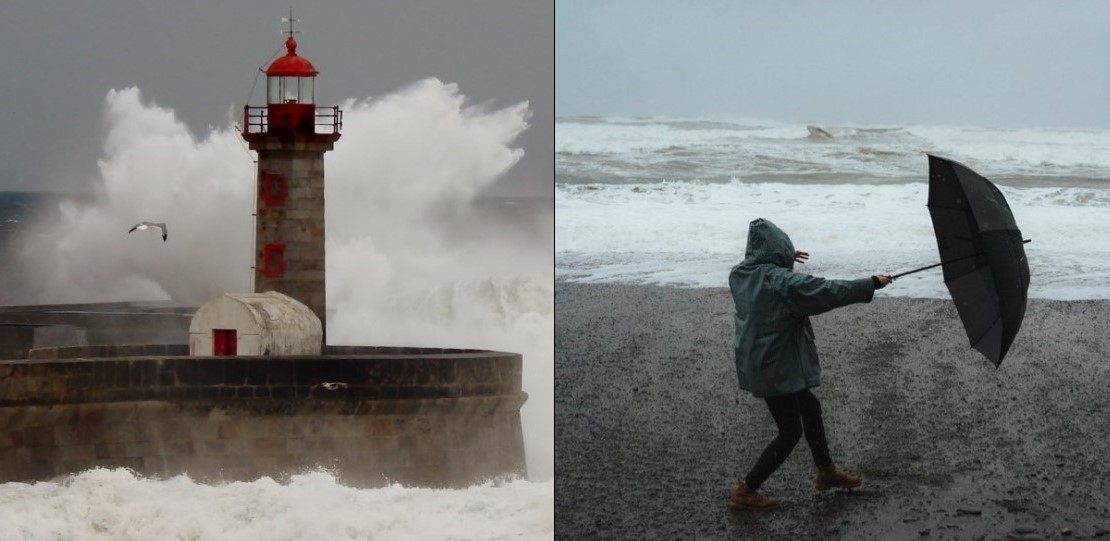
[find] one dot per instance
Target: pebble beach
(653, 432)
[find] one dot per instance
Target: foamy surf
(116, 505)
(667, 201)
(690, 234)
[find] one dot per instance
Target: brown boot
(743, 497)
(830, 477)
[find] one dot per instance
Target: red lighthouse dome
(292, 64)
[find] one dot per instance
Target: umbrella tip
(1027, 241)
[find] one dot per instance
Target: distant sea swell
(622, 150)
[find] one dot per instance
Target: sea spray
(153, 169)
(512, 314)
(406, 156)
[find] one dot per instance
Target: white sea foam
(118, 506)
(684, 233)
(668, 200)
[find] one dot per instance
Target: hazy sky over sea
(996, 63)
(199, 58)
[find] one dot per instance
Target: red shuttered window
(273, 189)
(273, 259)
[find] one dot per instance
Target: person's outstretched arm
(806, 295)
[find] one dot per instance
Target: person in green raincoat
(776, 359)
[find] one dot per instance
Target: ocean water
(668, 201)
(417, 255)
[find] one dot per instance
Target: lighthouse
(291, 135)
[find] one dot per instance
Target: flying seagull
(143, 226)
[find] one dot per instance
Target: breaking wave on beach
(667, 201)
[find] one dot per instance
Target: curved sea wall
(373, 415)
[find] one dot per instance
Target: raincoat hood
(768, 244)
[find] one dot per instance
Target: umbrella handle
(897, 276)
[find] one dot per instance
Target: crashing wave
(817, 132)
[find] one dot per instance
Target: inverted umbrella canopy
(984, 266)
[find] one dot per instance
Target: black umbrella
(982, 253)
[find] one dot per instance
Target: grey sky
(998, 63)
(199, 58)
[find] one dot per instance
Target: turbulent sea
(667, 200)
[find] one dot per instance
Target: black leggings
(794, 414)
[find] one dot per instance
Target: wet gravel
(652, 431)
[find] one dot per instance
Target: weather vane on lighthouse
(290, 20)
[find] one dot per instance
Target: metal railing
(326, 119)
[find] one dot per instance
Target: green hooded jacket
(775, 354)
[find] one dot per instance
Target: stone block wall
(427, 417)
(298, 222)
(111, 350)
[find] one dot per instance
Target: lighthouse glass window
(290, 90)
(306, 84)
(273, 91)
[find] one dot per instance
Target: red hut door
(224, 342)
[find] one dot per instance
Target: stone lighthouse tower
(291, 135)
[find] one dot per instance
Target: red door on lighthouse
(224, 342)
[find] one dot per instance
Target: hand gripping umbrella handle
(897, 276)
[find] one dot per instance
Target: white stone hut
(267, 323)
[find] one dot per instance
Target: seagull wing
(143, 226)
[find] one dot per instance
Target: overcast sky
(998, 63)
(61, 57)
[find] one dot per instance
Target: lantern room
(291, 78)
(290, 92)
(291, 113)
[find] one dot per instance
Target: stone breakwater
(372, 415)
